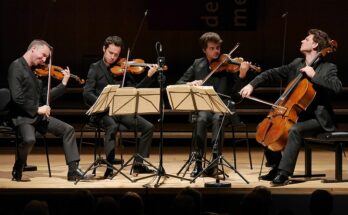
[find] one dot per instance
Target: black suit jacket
(99, 76)
(325, 83)
(28, 92)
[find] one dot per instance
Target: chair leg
(261, 166)
(248, 147)
(308, 164)
(338, 162)
(47, 157)
(247, 143)
(234, 147)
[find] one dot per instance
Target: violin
(135, 66)
(56, 72)
(225, 63)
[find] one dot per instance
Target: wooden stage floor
(173, 159)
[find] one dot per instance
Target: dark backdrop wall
(76, 29)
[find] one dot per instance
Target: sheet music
(130, 100)
(218, 106)
(104, 99)
(195, 98)
(149, 100)
(180, 97)
(123, 101)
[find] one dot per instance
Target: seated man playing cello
(318, 117)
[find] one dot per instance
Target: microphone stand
(161, 79)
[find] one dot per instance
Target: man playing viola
(222, 81)
(99, 76)
(31, 113)
(319, 115)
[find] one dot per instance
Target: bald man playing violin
(318, 117)
(99, 76)
(31, 113)
(225, 83)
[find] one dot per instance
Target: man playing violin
(99, 76)
(31, 113)
(319, 114)
(210, 43)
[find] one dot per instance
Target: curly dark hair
(116, 40)
(209, 37)
(321, 38)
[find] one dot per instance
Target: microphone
(158, 46)
(284, 14)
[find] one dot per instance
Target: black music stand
(160, 170)
(133, 101)
(218, 106)
(185, 98)
(101, 105)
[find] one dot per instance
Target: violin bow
(49, 77)
(138, 32)
(133, 45)
(222, 62)
(265, 102)
(125, 68)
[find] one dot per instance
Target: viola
(225, 63)
(135, 66)
(56, 73)
(272, 132)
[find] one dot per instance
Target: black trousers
(55, 126)
(146, 128)
(286, 160)
(204, 120)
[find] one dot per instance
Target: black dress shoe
(118, 161)
(17, 174)
(17, 171)
(196, 171)
(280, 180)
(108, 173)
(30, 168)
(77, 175)
(270, 175)
(142, 169)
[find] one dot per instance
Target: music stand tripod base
(217, 184)
(98, 163)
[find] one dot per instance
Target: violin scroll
(331, 48)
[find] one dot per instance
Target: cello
(272, 132)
